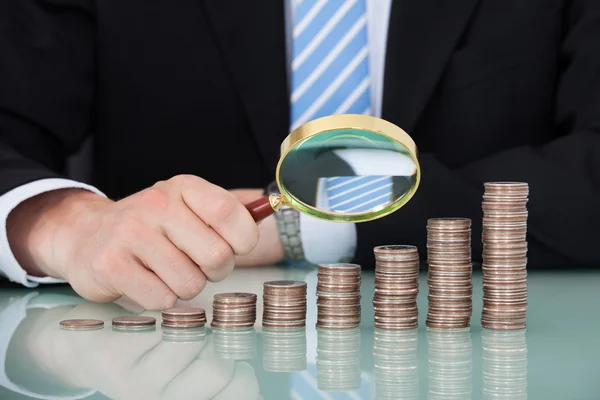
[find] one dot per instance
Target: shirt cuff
(326, 241)
(9, 266)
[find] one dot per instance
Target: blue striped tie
(330, 75)
(352, 194)
(330, 64)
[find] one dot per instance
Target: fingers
(135, 281)
(243, 385)
(206, 248)
(221, 211)
(173, 266)
(203, 378)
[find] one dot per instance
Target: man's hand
(154, 247)
(269, 249)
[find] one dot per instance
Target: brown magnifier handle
(263, 207)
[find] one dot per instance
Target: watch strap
(288, 225)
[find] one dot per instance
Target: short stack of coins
(338, 296)
(81, 324)
(449, 273)
(284, 304)
(504, 255)
(133, 323)
(396, 287)
(234, 310)
(183, 318)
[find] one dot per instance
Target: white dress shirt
(323, 241)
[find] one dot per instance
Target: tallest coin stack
(504, 255)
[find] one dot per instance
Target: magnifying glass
(344, 168)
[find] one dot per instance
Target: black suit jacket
(490, 90)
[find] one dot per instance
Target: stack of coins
(284, 350)
(396, 287)
(504, 255)
(450, 359)
(234, 344)
(338, 359)
(135, 323)
(504, 366)
(396, 364)
(81, 324)
(183, 318)
(338, 296)
(450, 273)
(234, 310)
(284, 304)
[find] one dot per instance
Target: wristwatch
(288, 224)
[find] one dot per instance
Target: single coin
(235, 297)
(339, 268)
(395, 249)
(81, 324)
(184, 312)
(285, 284)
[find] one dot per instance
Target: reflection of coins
(234, 310)
(504, 255)
(396, 364)
(338, 296)
(338, 359)
(81, 324)
(450, 364)
(284, 304)
(449, 273)
(504, 366)
(178, 335)
(396, 287)
(183, 318)
(234, 344)
(133, 323)
(284, 350)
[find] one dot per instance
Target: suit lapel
(252, 38)
(421, 37)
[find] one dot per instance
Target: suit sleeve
(564, 175)
(46, 86)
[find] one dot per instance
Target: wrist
(41, 229)
(288, 228)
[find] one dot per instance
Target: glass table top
(556, 357)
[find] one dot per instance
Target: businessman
(189, 100)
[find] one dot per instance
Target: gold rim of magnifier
(344, 122)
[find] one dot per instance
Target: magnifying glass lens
(347, 175)
(346, 168)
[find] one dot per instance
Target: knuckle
(221, 254)
(192, 287)
(163, 302)
(225, 208)
(185, 180)
(250, 239)
(155, 198)
(129, 226)
(220, 262)
(110, 263)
